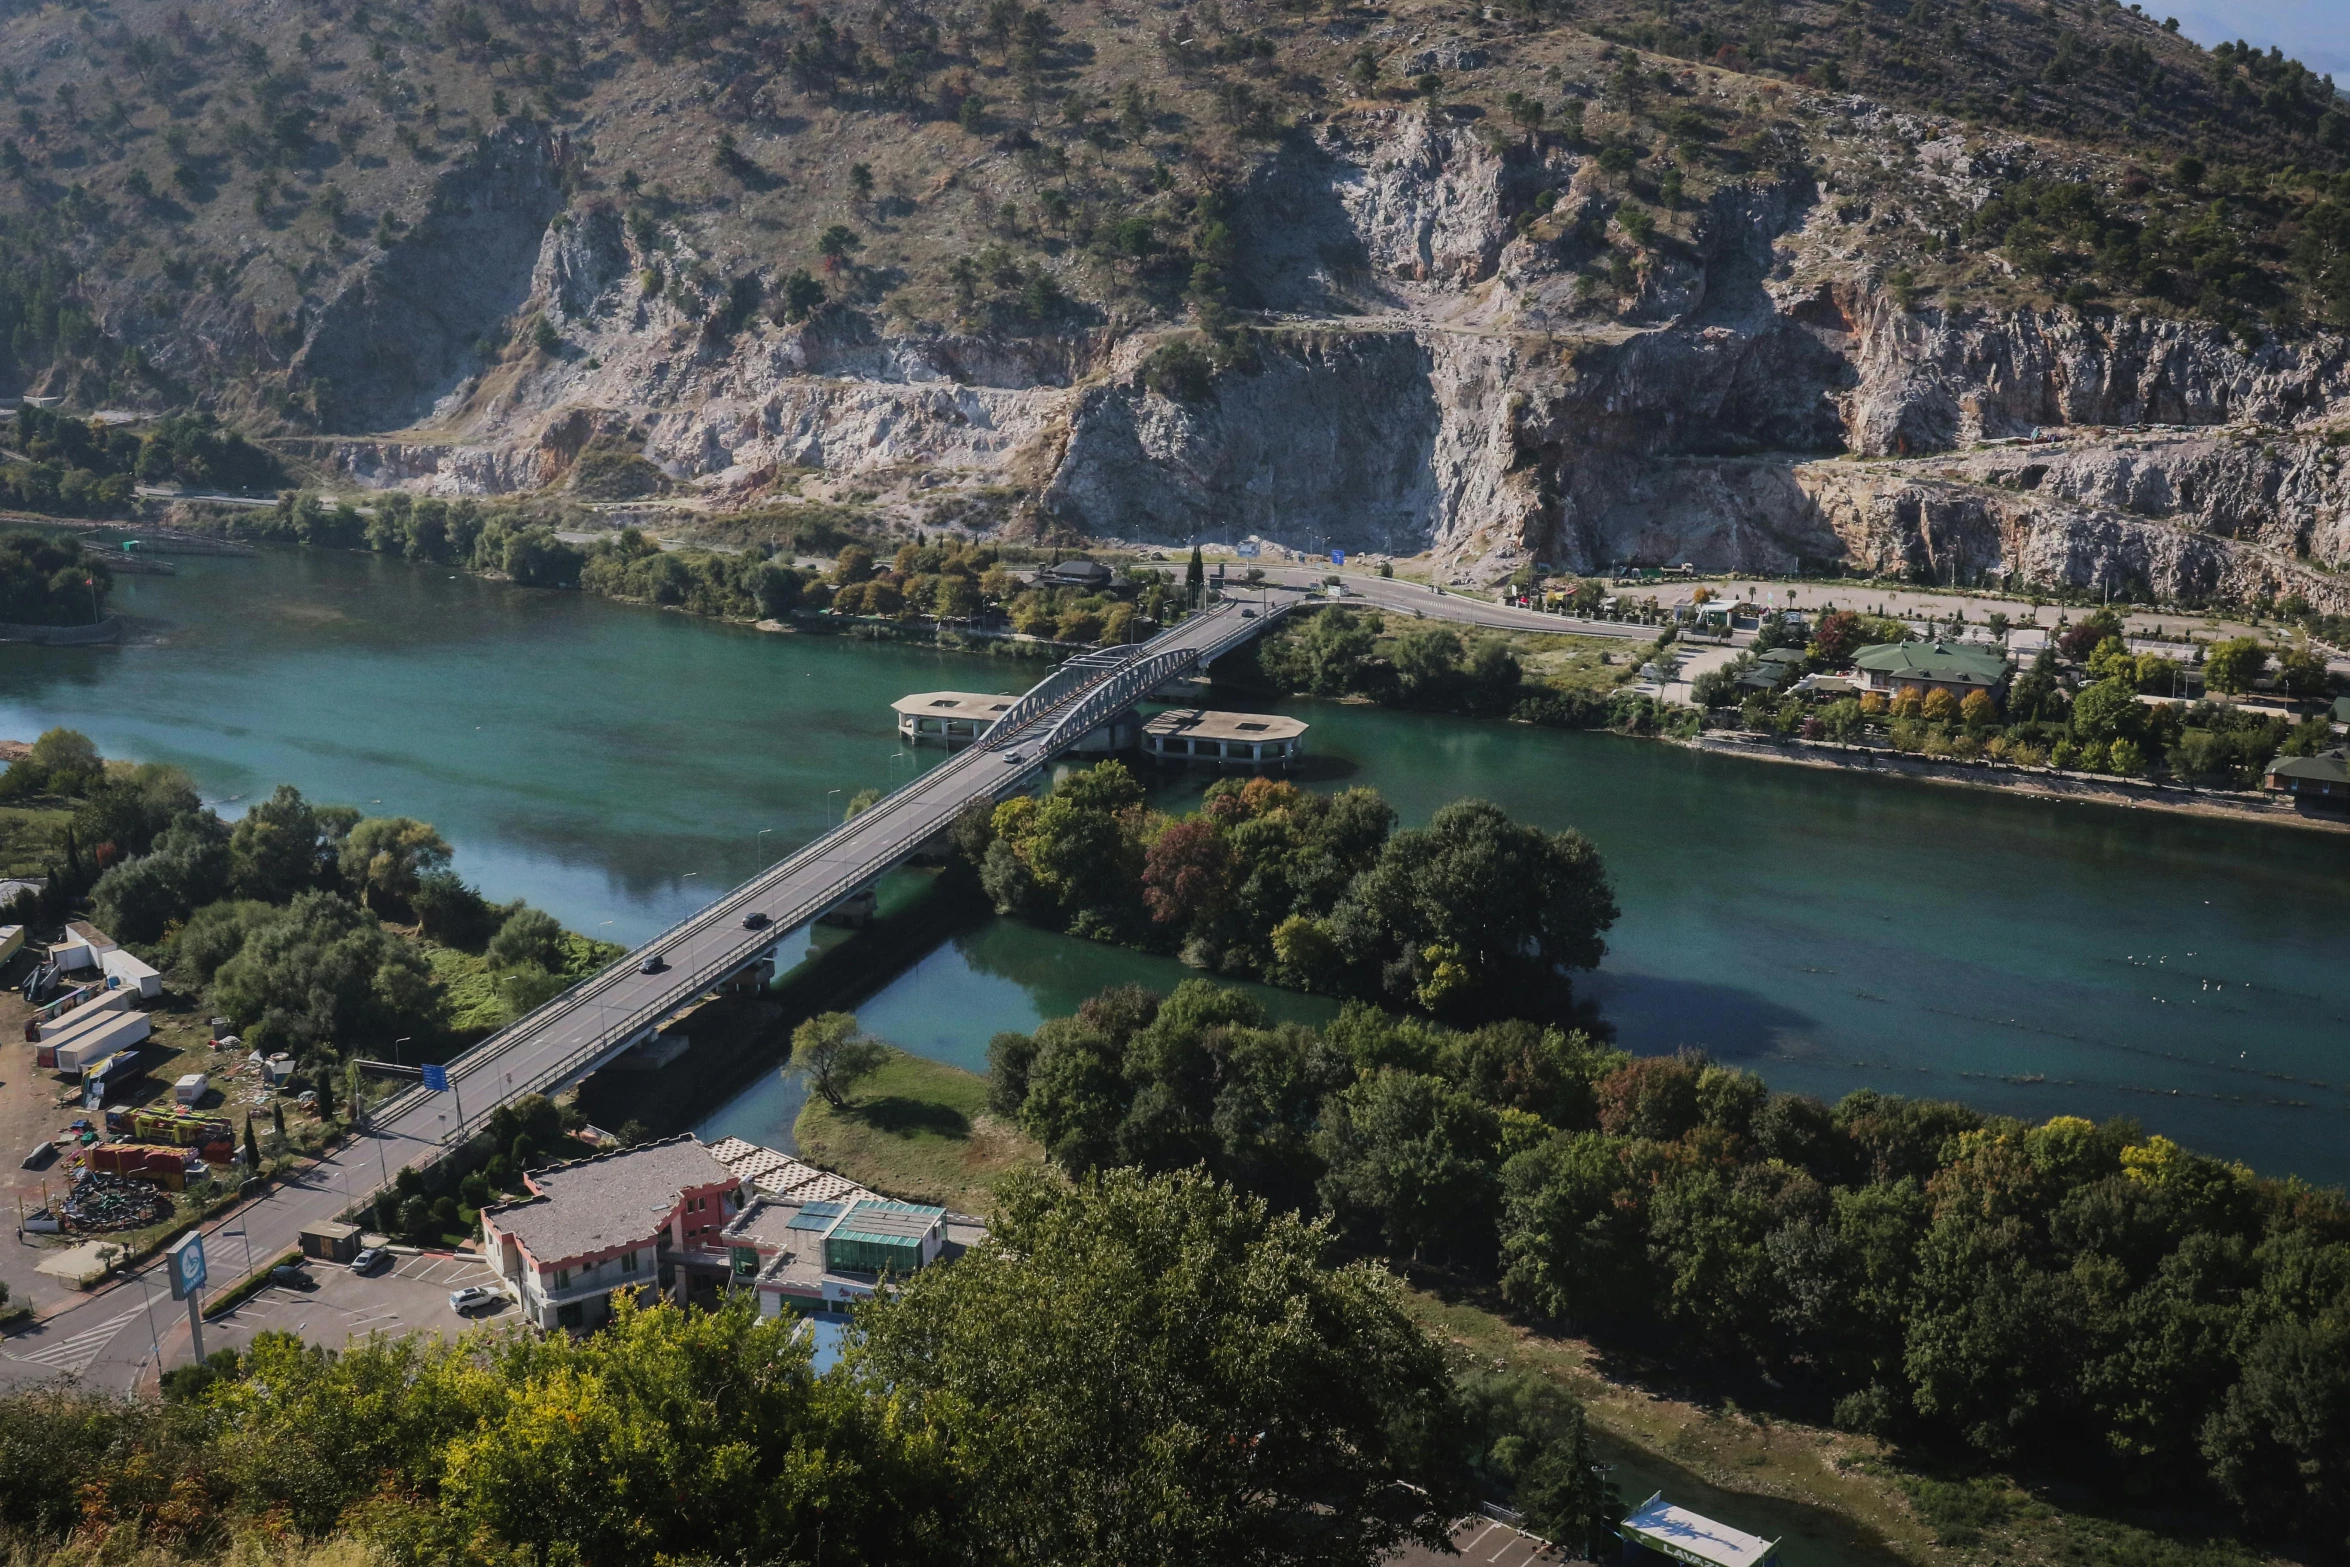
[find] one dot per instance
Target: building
(1202, 734)
(820, 1256)
(1890, 668)
(948, 718)
(1492, 1535)
(2323, 777)
(1657, 1529)
(649, 1217)
(1774, 668)
(1087, 576)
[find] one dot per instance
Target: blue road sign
(1338, 557)
(436, 1078)
(187, 1265)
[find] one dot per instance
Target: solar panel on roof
(815, 1216)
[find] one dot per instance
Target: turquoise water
(617, 765)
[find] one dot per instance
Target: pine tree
(252, 1149)
(1195, 579)
(277, 1117)
(326, 1096)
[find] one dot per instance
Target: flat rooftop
(882, 1220)
(953, 704)
(781, 1176)
(1693, 1537)
(610, 1200)
(1197, 723)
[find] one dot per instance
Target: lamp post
(760, 848)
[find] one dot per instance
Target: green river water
(619, 765)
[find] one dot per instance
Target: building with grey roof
(648, 1217)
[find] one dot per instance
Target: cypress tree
(252, 1149)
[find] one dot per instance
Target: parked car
(754, 921)
(472, 1298)
(292, 1274)
(370, 1260)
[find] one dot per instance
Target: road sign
(436, 1078)
(1338, 557)
(187, 1265)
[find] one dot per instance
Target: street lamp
(759, 847)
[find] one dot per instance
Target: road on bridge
(103, 1339)
(1413, 598)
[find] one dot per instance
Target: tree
(1195, 575)
(1415, 1158)
(385, 856)
(1939, 706)
(1159, 1369)
(2107, 711)
(2232, 666)
(1978, 710)
(2302, 672)
(1474, 910)
(321, 972)
(836, 244)
(275, 849)
(252, 1150)
(528, 938)
(831, 1051)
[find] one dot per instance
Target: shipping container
(106, 1034)
(97, 1003)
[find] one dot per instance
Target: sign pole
(196, 1324)
(188, 1274)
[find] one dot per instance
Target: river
(618, 765)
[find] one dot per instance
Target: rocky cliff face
(1429, 372)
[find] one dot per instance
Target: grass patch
(30, 837)
(474, 1002)
(919, 1130)
(1566, 663)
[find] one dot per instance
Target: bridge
(571, 1036)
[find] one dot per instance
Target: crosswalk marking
(74, 1355)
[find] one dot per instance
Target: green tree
(385, 856)
(276, 848)
(2109, 710)
(834, 1054)
(1159, 1369)
(1414, 1158)
(529, 937)
(321, 972)
(836, 244)
(1473, 908)
(2232, 666)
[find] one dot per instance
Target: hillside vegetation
(190, 188)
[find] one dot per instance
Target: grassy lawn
(1570, 663)
(919, 1130)
(30, 836)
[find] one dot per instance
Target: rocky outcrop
(405, 330)
(1428, 372)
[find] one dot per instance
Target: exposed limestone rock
(1427, 373)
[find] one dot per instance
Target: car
(369, 1260)
(472, 1298)
(1011, 758)
(754, 921)
(291, 1273)
(653, 965)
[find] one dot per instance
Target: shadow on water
(1728, 1022)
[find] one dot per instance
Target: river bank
(2044, 782)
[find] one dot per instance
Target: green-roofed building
(2325, 776)
(1890, 668)
(884, 1237)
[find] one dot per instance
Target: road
(100, 1338)
(1412, 598)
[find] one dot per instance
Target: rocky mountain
(1757, 286)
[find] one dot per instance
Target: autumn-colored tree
(1939, 706)
(1978, 710)
(1187, 874)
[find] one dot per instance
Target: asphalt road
(1416, 598)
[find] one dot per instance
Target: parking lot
(411, 1296)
